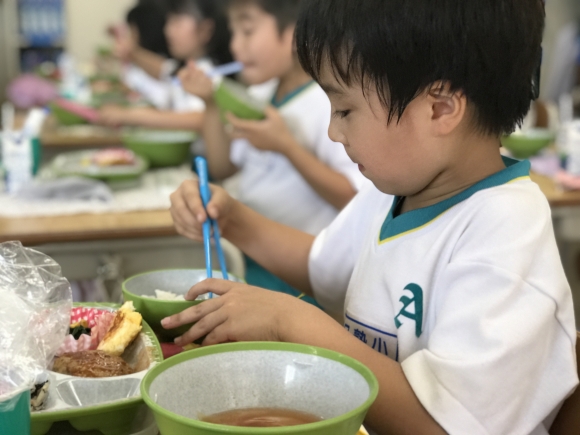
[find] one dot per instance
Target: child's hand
(196, 82)
(189, 214)
(112, 116)
(241, 313)
(271, 134)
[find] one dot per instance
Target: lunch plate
(78, 163)
(109, 405)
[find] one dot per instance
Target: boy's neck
(480, 160)
(291, 80)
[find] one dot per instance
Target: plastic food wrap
(35, 306)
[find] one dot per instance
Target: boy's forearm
(332, 186)
(397, 409)
(153, 118)
(282, 250)
(148, 61)
(217, 144)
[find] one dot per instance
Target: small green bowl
(160, 147)
(231, 96)
(154, 310)
(529, 143)
(66, 118)
(220, 378)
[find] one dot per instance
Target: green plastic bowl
(219, 378)
(160, 147)
(66, 118)
(231, 96)
(154, 310)
(529, 143)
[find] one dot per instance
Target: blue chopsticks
(201, 166)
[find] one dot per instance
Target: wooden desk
(556, 197)
(76, 228)
(82, 136)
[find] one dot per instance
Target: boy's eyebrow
(330, 89)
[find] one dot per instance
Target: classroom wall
(87, 21)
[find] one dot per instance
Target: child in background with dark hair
(145, 32)
(290, 170)
(195, 30)
(446, 270)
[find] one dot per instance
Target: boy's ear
(448, 108)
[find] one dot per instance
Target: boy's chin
(255, 77)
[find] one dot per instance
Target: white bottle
(573, 147)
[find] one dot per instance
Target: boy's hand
(189, 214)
(113, 116)
(271, 134)
(241, 313)
(196, 82)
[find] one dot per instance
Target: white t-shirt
(271, 185)
(156, 92)
(468, 294)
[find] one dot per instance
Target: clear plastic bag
(35, 305)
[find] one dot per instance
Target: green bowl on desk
(161, 148)
(64, 117)
(528, 143)
(233, 97)
(185, 388)
(140, 289)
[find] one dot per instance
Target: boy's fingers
(218, 335)
(204, 327)
(192, 314)
(241, 124)
(218, 202)
(217, 286)
(192, 199)
(181, 211)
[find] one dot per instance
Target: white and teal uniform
(469, 295)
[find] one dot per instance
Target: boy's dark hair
(489, 50)
(218, 48)
(149, 19)
(285, 11)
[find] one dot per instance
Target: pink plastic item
(567, 180)
(81, 110)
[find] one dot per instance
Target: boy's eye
(341, 113)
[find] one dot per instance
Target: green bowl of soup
(161, 148)
(231, 96)
(143, 291)
(204, 391)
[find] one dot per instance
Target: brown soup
(262, 417)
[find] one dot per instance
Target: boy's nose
(334, 133)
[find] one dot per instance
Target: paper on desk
(152, 194)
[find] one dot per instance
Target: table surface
(155, 223)
(77, 137)
(556, 196)
(131, 225)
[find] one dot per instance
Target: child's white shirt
(156, 92)
(469, 295)
(271, 185)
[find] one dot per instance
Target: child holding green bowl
(195, 30)
(447, 269)
(290, 171)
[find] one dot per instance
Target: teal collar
(291, 95)
(395, 227)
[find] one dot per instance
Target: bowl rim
(125, 290)
(359, 367)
